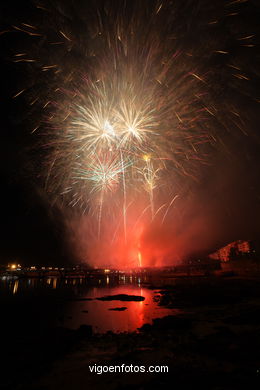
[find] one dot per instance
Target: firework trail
(128, 106)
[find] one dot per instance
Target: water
(36, 304)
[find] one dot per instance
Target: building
(236, 248)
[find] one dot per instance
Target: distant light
(106, 271)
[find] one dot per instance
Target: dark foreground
(214, 345)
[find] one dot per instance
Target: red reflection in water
(102, 319)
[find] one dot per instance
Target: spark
(19, 93)
(65, 36)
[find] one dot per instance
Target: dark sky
(31, 232)
(227, 193)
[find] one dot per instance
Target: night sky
(222, 204)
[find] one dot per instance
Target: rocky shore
(214, 344)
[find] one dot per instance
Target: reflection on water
(72, 302)
(12, 282)
(102, 319)
(15, 288)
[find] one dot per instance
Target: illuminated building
(237, 247)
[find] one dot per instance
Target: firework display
(129, 111)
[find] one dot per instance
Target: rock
(145, 328)
(172, 322)
(85, 330)
(121, 297)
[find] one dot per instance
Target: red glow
(139, 259)
(141, 241)
(102, 319)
